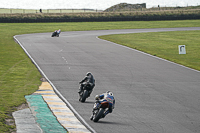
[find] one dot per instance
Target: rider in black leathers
(88, 78)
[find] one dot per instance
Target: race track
(152, 95)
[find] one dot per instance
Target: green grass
(19, 77)
(164, 45)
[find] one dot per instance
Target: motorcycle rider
(108, 96)
(88, 78)
(57, 32)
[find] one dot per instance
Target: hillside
(142, 7)
(125, 7)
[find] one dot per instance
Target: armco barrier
(99, 19)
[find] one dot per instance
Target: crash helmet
(110, 93)
(96, 97)
(88, 73)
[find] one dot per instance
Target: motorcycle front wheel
(98, 115)
(84, 96)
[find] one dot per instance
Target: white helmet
(110, 93)
(96, 97)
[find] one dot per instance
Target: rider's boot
(80, 89)
(105, 114)
(91, 117)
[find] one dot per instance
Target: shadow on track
(109, 122)
(89, 102)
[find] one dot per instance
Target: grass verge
(19, 77)
(164, 45)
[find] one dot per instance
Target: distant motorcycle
(98, 110)
(55, 34)
(85, 91)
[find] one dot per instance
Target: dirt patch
(43, 79)
(23, 106)
(11, 121)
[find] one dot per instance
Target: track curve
(152, 95)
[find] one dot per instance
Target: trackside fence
(6, 10)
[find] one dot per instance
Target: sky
(89, 4)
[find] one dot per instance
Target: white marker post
(181, 49)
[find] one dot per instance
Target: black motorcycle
(85, 92)
(99, 110)
(55, 34)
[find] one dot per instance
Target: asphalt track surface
(152, 95)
